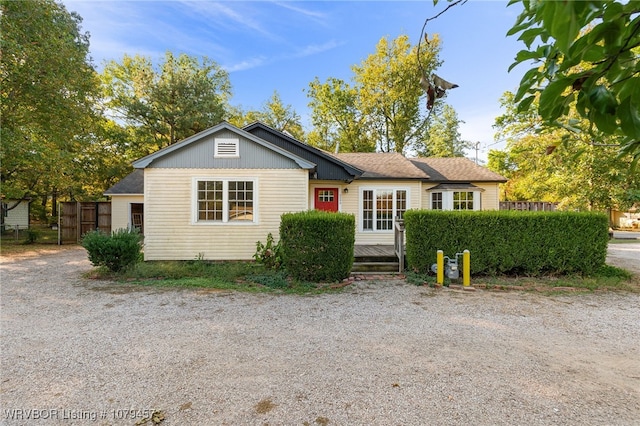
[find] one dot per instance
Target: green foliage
(274, 114)
(117, 252)
(181, 97)
(509, 242)
(47, 93)
(443, 137)
(318, 246)
(589, 55)
(546, 163)
(269, 254)
(32, 236)
(380, 109)
(271, 279)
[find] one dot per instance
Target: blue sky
(282, 46)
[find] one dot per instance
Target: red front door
(326, 199)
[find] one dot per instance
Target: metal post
(440, 263)
(466, 268)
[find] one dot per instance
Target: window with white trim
(227, 147)
(455, 200)
(463, 200)
(381, 206)
(225, 200)
(436, 201)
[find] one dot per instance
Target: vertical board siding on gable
(200, 155)
(169, 230)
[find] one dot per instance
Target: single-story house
(217, 193)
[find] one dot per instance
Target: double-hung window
(449, 199)
(463, 200)
(381, 206)
(225, 200)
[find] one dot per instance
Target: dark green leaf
(550, 108)
(629, 115)
(603, 100)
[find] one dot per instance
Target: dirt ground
(87, 352)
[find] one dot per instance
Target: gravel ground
(86, 352)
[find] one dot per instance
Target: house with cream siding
(217, 193)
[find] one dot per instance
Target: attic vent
(227, 147)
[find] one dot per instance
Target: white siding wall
(490, 196)
(169, 229)
(19, 215)
(120, 210)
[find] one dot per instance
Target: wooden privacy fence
(77, 218)
(534, 206)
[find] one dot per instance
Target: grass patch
(35, 239)
(236, 276)
(607, 278)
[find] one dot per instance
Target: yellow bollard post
(440, 263)
(466, 268)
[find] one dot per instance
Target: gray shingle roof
(383, 165)
(457, 169)
(133, 183)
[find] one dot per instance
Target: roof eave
(144, 162)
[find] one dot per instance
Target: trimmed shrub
(118, 251)
(318, 246)
(509, 242)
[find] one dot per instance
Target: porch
(376, 259)
(382, 258)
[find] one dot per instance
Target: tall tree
(443, 137)
(548, 163)
(48, 88)
(381, 105)
(181, 97)
(339, 123)
(275, 114)
(587, 53)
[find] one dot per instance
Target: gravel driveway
(86, 352)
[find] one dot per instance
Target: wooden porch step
(375, 267)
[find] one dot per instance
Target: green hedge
(509, 242)
(318, 246)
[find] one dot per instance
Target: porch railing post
(398, 231)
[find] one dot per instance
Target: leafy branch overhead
(585, 53)
(434, 86)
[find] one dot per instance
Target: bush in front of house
(318, 246)
(509, 242)
(269, 254)
(116, 251)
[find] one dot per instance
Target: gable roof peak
(224, 125)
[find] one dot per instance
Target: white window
(227, 147)
(455, 200)
(380, 207)
(224, 201)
